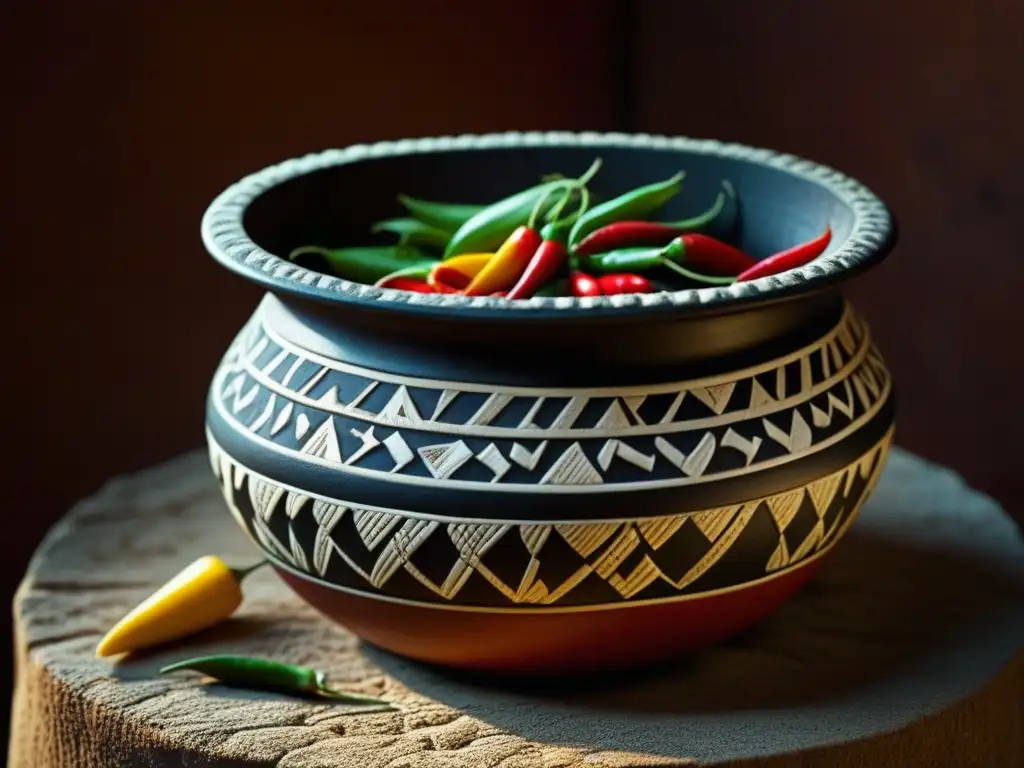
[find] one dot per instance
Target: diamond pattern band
(452, 562)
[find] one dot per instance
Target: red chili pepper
(634, 234)
(582, 284)
(515, 255)
(791, 258)
(708, 255)
(409, 284)
(624, 282)
(542, 267)
(550, 255)
(625, 234)
(507, 264)
(499, 294)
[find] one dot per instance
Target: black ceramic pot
(550, 484)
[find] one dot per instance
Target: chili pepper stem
(241, 573)
(304, 249)
(590, 173)
(324, 689)
(638, 203)
(531, 223)
(584, 204)
(571, 185)
(703, 219)
(557, 210)
(710, 279)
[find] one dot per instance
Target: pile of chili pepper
(552, 240)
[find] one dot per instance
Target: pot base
(555, 642)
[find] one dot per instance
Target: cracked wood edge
(72, 709)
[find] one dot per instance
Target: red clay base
(562, 642)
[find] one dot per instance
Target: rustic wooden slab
(906, 651)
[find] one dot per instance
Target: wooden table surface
(906, 651)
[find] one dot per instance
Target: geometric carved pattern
(446, 433)
(322, 380)
(444, 561)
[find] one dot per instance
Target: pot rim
(871, 239)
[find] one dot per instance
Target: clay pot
(552, 484)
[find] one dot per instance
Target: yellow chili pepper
(204, 594)
(508, 264)
(455, 274)
(469, 264)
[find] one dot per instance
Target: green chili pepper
(559, 287)
(251, 672)
(414, 232)
(366, 264)
(635, 204)
(488, 229)
(447, 217)
(416, 271)
(638, 260)
(624, 260)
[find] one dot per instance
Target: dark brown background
(122, 120)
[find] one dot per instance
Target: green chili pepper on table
(366, 264)
(414, 232)
(638, 203)
(489, 228)
(253, 672)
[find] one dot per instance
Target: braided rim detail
(872, 236)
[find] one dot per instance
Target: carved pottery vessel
(554, 484)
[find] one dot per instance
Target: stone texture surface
(906, 651)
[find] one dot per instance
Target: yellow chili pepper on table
(202, 595)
